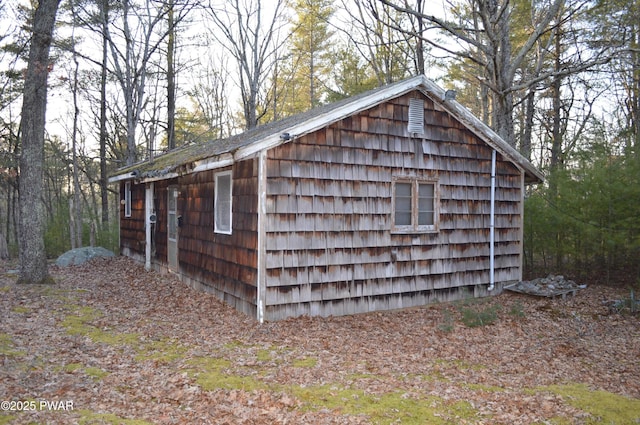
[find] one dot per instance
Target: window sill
(413, 231)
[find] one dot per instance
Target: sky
(59, 111)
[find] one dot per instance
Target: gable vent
(416, 116)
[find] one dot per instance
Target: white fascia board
(332, 116)
(255, 148)
(120, 177)
(213, 163)
(158, 178)
(480, 129)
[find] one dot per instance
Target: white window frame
(414, 226)
(127, 199)
(223, 206)
(172, 213)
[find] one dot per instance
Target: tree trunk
(556, 160)
(171, 81)
(33, 257)
(4, 249)
(77, 204)
(104, 188)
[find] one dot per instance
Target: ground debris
(551, 286)
(130, 346)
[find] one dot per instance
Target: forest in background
(129, 79)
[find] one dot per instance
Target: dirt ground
(110, 343)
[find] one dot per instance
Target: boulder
(79, 256)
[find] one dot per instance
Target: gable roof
(224, 152)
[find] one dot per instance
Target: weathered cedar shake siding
(224, 265)
(330, 247)
(312, 214)
(132, 232)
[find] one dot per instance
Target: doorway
(172, 228)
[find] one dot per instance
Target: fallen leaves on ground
(124, 345)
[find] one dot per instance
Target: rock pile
(550, 286)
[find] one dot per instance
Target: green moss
(88, 417)
(234, 345)
(20, 309)
(484, 388)
(7, 347)
(96, 373)
(305, 362)
(79, 323)
(604, 407)
(264, 355)
(6, 418)
(72, 367)
(165, 350)
(5, 288)
(212, 373)
(387, 408)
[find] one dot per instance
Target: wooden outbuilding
(394, 198)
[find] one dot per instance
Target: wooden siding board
(225, 265)
(328, 246)
(329, 222)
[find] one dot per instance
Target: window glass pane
(403, 204)
(127, 199)
(425, 219)
(171, 202)
(425, 190)
(223, 203)
(171, 224)
(426, 204)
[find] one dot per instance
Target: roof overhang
(331, 115)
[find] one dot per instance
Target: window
(222, 203)
(127, 199)
(172, 211)
(414, 206)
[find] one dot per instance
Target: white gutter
(126, 176)
(158, 178)
(492, 223)
(220, 161)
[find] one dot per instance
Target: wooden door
(172, 229)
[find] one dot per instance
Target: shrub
(475, 314)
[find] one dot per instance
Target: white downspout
(148, 210)
(262, 211)
(492, 224)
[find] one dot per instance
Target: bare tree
(171, 77)
(103, 6)
(211, 98)
(75, 204)
(33, 258)
(133, 48)
(248, 30)
(382, 37)
(485, 35)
